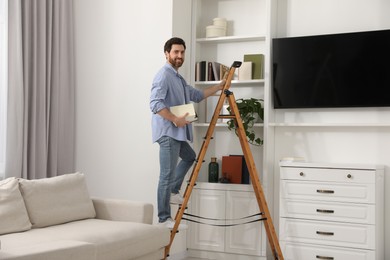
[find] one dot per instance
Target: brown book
(232, 168)
(216, 70)
(223, 71)
(210, 73)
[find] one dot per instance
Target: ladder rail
(257, 187)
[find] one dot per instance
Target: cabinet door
(246, 238)
(208, 204)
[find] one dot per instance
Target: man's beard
(177, 63)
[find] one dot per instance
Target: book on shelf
(245, 177)
(200, 71)
(257, 65)
(216, 69)
(210, 71)
(232, 168)
(181, 110)
(224, 71)
(245, 71)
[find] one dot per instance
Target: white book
(245, 71)
(181, 110)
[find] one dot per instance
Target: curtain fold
(41, 113)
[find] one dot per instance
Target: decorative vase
(213, 170)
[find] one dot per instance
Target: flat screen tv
(333, 70)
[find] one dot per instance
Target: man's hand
(181, 121)
(222, 84)
(213, 89)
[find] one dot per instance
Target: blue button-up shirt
(170, 89)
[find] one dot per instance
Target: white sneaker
(176, 199)
(170, 223)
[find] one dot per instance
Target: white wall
(117, 54)
(353, 144)
(119, 48)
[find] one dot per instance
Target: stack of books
(210, 71)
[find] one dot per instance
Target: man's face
(176, 56)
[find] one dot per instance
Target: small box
(215, 31)
(220, 22)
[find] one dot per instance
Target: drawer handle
(349, 176)
(325, 211)
(301, 174)
(325, 191)
(324, 257)
(325, 233)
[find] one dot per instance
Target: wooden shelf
(330, 124)
(258, 82)
(221, 125)
(229, 39)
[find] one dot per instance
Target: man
(172, 132)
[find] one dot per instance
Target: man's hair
(174, 40)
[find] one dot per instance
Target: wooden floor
(184, 258)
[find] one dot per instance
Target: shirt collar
(171, 68)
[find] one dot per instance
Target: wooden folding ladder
(258, 190)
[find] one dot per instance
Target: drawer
(335, 211)
(328, 175)
(325, 191)
(293, 251)
(327, 233)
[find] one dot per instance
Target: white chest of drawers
(331, 211)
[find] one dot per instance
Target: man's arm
(213, 89)
(178, 121)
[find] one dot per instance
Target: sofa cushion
(57, 200)
(113, 239)
(58, 250)
(13, 213)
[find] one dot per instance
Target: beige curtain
(40, 120)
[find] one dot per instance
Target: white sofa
(55, 218)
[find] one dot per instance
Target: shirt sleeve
(196, 95)
(157, 97)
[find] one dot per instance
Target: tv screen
(337, 70)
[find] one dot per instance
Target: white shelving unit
(248, 32)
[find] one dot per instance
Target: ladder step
(227, 116)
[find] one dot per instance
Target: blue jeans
(171, 173)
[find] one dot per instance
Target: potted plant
(251, 110)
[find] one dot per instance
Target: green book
(257, 65)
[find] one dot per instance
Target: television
(332, 70)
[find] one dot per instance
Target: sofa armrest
(123, 210)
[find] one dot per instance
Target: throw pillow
(13, 213)
(57, 200)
